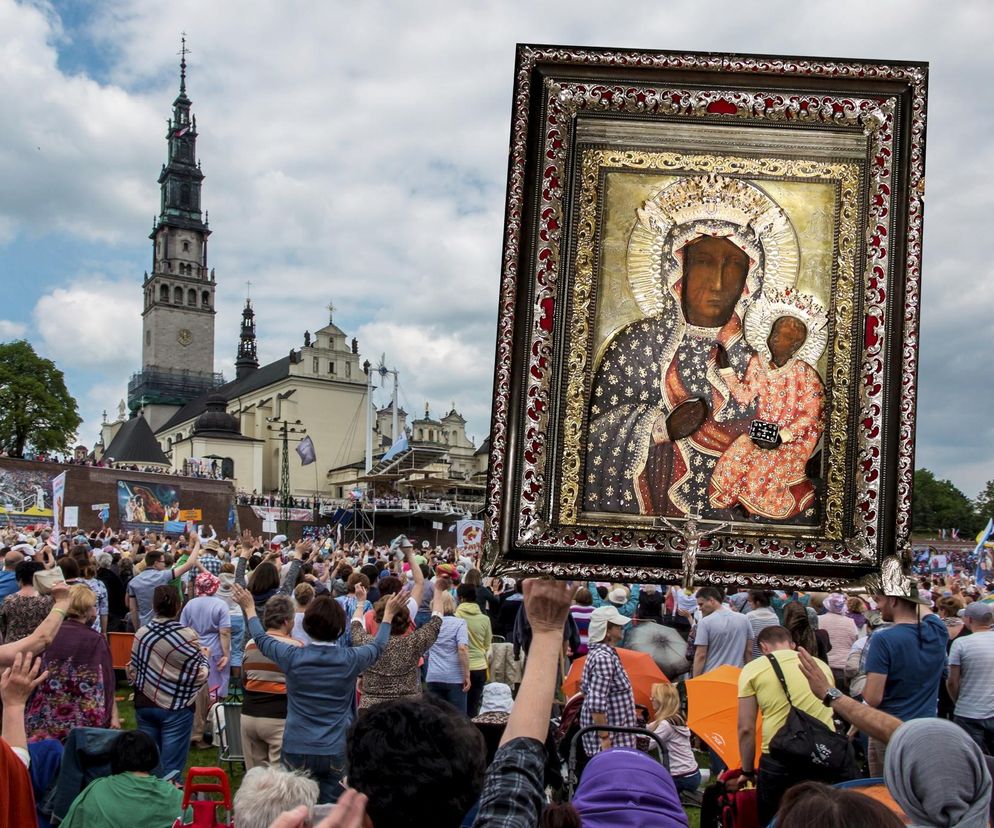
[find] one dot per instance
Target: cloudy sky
(357, 152)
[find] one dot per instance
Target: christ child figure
(769, 480)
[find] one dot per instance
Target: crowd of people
(394, 685)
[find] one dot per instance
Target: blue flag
(980, 556)
(396, 448)
(232, 517)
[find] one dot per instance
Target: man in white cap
(905, 662)
(606, 688)
(971, 675)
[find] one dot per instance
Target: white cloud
(358, 152)
(12, 330)
(91, 325)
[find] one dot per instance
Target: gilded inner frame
(587, 337)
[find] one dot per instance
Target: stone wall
(90, 485)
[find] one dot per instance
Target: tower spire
(247, 360)
(183, 51)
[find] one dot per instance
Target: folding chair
(228, 734)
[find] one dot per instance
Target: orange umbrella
(713, 712)
(642, 673)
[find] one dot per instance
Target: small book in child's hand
(766, 434)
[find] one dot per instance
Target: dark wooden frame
(556, 86)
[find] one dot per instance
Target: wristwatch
(831, 695)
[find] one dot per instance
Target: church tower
(247, 359)
(178, 314)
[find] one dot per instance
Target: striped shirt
(581, 615)
(167, 664)
(265, 681)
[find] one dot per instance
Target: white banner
(71, 517)
(469, 534)
(58, 504)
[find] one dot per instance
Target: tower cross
(248, 290)
(331, 312)
(183, 52)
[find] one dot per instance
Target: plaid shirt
(606, 689)
(211, 563)
(513, 789)
(169, 668)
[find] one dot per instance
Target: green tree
(938, 504)
(36, 408)
(985, 503)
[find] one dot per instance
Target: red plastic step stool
(205, 809)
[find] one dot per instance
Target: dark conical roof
(135, 443)
(216, 418)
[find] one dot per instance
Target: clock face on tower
(184, 337)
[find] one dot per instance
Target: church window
(178, 295)
(205, 299)
(148, 337)
(191, 298)
(421, 434)
(431, 434)
(186, 247)
(348, 370)
(316, 365)
(164, 293)
(184, 195)
(331, 367)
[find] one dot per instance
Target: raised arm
(270, 647)
(418, 591)
(245, 549)
(191, 562)
(513, 791)
(16, 685)
(871, 721)
(289, 580)
(44, 633)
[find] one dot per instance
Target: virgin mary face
(714, 274)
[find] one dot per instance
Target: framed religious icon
(708, 324)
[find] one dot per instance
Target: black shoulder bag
(805, 740)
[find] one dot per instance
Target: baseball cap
(977, 611)
(600, 618)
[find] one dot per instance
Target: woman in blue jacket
(320, 685)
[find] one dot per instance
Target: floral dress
(79, 690)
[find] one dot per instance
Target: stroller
(643, 736)
(205, 807)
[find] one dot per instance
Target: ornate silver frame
(557, 87)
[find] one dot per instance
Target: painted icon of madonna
(710, 398)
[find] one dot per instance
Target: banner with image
(469, 535)
(58, 503)
(143, 505)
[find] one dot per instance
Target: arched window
(184, 195)
(164, 293)
(186, 247)
(205, 299)
(178, 295)
(191, 298)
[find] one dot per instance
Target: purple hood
(622, 787)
